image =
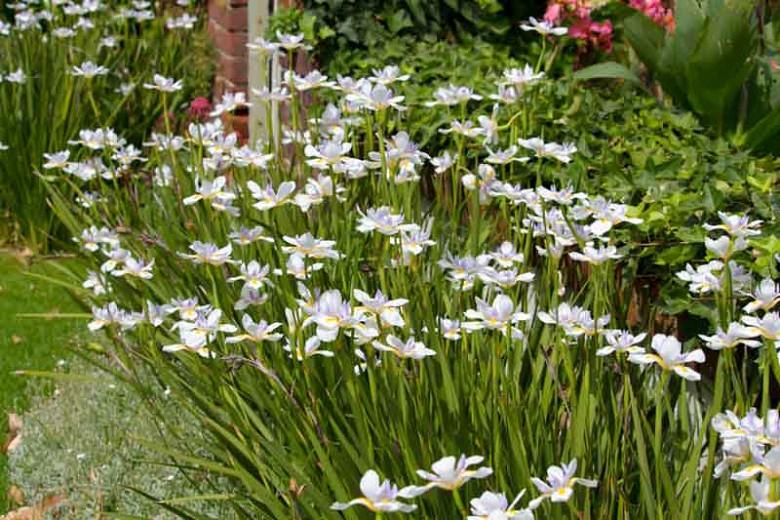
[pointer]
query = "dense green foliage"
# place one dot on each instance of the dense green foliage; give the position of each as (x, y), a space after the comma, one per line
(295, 417)
(352, 26)
(711, 37)
(51, 104)
(660, 159)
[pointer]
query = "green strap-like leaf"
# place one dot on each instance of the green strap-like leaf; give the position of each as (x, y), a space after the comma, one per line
(607, 70)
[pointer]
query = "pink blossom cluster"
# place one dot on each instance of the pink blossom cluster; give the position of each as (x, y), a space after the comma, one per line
(656, 11)
(576, 14)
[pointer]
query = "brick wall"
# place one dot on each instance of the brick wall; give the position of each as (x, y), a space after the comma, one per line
(228, 30)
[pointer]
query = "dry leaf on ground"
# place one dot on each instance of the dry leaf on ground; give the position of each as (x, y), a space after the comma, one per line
(35, 512)
(14, 433)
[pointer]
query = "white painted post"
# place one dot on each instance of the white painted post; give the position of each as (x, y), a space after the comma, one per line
(259, 76)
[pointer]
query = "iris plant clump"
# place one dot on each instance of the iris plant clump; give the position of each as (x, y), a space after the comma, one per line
(336, 304)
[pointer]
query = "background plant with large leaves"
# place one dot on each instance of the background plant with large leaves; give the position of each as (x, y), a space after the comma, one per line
(714, 63)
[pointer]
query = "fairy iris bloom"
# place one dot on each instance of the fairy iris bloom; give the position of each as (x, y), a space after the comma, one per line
(606, 215)
(765, 296)
(245, 236)
(209, 191)
(669, 356)
(498, 316)
(506, 255)
(543, 27)
(331, 313)
(376, 97)
(380, 305)
(164, 84)
(409, 349)
(329, 154)
(621, 341)
(230, 101)
(504, 156)
(739, 226)
(596, 256)
(307, 246)
(311, 348)
(58, 160)
(263, 46)
(520, 77)
(389, 74)
(206, 253)
(253, 274)
(191, 341)
(109, 315)
(449, 473)
(560, 484)
(378, 497)
(725, 247)
(290, 42)
(495, 506)
(506, 278)
(256, 332)
(382, 220)
(574, 320)
(136, 268)
(449, 329)
(560, 152)
(312, 80)
(206, 324)
(316, 190)
(768, 326)
(268, 198)
(767, 464)
(760, 492)
(735, 335)
(89, 70)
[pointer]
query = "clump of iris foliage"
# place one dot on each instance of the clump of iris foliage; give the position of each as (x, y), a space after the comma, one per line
(66, 66)
(363, 328)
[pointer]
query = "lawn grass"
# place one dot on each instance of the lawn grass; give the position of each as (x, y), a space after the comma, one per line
(27, 343)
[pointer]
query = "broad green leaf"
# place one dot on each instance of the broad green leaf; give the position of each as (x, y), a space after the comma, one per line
(646, 38)
(607, 70)
(762, 136)
(728, 43)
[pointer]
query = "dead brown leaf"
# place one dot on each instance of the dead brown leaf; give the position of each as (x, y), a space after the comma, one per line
(14, 433)
(23, 256)
(37, 511)
(16, 339)
(15, 495)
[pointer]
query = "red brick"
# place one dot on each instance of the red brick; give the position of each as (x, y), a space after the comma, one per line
(230, 18)
(230, 43)
(238, 3)
(233, 69)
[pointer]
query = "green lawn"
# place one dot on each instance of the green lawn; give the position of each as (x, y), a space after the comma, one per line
(26, 343)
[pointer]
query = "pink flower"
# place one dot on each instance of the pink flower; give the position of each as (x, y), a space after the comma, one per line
(656, 11)
(200, 108)
(554, 13)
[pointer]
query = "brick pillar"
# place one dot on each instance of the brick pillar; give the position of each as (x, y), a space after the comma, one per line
(228, 30)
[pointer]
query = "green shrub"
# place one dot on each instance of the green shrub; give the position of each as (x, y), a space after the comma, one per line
(339, 26)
